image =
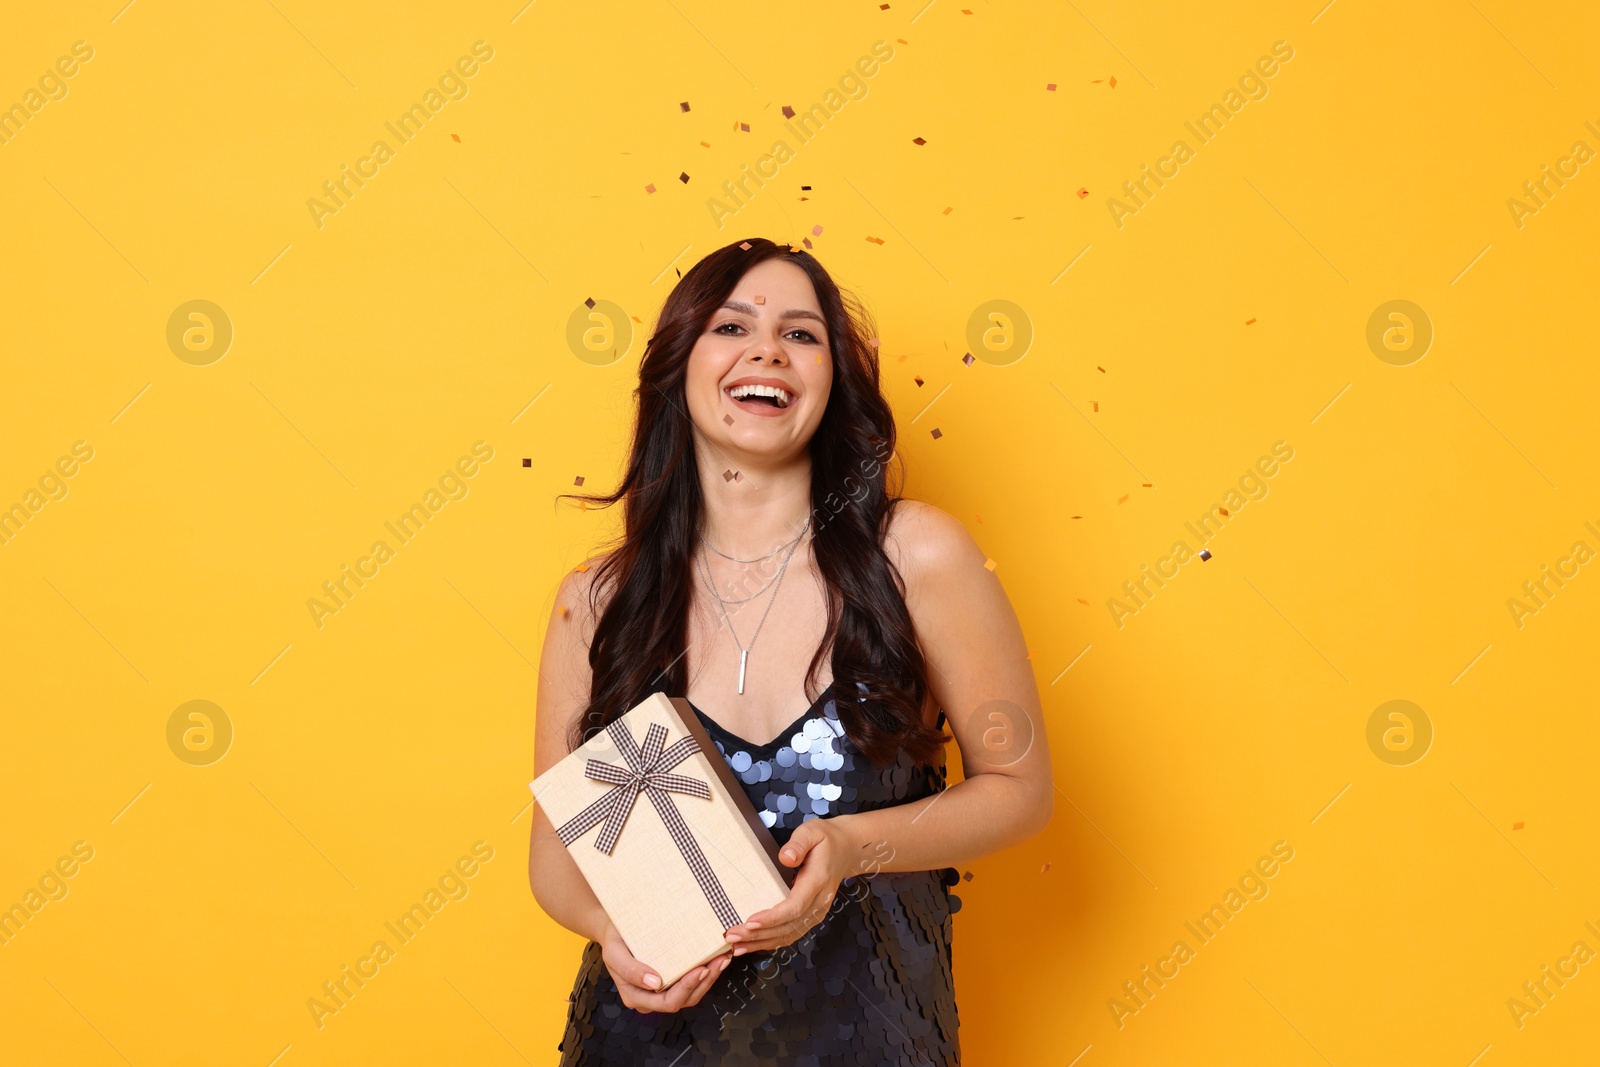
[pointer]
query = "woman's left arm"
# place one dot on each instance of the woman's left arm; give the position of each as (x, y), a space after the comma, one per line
(980, 674)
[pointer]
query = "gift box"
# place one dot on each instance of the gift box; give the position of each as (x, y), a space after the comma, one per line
(664, 834)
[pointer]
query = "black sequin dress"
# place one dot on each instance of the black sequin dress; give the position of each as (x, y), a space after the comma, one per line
(870, 984)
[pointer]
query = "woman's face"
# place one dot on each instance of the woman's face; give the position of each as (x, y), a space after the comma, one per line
(769, 333)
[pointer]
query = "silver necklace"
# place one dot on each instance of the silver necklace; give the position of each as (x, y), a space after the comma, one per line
(758, 559)
(744, 651)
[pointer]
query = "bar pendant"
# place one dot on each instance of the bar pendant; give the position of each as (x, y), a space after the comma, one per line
(743, 652)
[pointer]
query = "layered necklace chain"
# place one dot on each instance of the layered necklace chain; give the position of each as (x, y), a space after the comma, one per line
(744, 650)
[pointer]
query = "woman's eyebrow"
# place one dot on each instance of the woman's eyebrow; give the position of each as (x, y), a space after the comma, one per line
(792, 313)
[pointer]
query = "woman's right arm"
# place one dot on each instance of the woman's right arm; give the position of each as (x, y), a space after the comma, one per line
(563, 693)
(558, 885)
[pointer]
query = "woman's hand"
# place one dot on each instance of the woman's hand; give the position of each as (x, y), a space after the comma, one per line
(640, 987)
(824, 850)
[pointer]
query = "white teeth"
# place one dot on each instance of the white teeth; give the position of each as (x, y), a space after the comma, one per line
(781, 396)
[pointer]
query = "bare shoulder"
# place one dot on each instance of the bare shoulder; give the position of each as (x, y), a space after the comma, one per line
(926, 542)
(565, 676)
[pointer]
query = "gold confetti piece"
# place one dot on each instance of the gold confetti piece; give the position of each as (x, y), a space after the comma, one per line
(1082, 193)
(1099, 368)
(902, 40)
(948, 210)
(729, 418)
(1097, 81)
(684, 106)
(727, 475)
(902, 359)
(819, 358)
(918, 140)
(1249, 322)
(1223, 512)
(527, 461)
(582, 567)
(737, 475)
(705, 144)
(589, 303)
(1516, 826)
(578, 480)
(744, 127)
(816, 231)
(684, 177)
(1045, 869)
(989, 564)
(1050, 88)
(745, 245)
(1124, 498)
(806, 241)
(967, 877)
(1077, 516)
(937, 433)
(1112, 81)
(918, 380)
(876, 240)
(1149, 485)
(761, 300)
(564, 611)
(650, 188)
(788, 113)
(637, 319)
(455, 137)
(583, 505)
(1096, 404)
(968, 359)
(1082, 601)
(873, 341)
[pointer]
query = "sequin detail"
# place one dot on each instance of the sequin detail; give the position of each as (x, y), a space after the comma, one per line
(870, 984)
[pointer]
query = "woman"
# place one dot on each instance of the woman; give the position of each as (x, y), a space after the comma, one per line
(758, 475)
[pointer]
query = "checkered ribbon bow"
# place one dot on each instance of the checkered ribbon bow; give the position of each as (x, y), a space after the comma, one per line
(646, 773)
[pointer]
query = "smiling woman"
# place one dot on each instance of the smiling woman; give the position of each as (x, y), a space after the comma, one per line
(761, 451)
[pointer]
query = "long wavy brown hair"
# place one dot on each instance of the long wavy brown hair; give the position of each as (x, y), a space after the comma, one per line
(639, 639)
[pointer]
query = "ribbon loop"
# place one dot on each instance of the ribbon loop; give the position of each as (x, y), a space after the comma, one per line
(646, 772)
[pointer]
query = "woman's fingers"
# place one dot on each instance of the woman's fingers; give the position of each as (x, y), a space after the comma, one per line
(641, 999)
(614, 951)
(713, 971)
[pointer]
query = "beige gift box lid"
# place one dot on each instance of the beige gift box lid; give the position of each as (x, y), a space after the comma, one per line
(646, 884)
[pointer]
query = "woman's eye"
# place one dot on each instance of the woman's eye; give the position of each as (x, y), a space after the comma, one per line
(725, 325)
(806, 334)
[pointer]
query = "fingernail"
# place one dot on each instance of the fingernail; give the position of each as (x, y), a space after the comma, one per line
(753, 926)
(732, 936)
(739, 951)
(652, 981)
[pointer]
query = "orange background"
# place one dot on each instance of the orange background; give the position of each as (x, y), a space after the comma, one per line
(373, 346)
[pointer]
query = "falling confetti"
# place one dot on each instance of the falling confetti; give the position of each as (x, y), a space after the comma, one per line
(650, 188)
(761, 300)
(978, 517)
(805, 188)
(728, 419)
(1516, 826)
(744, 127)
(1045, 869)
(1148, 485)
(578, 480)
(1096, 404)
(989, 564)
(876, 240)
(1249, 322)
(1224, 512)
(1123, 499)
(526, 462)
(745, 245)
(937, 433)
(1102, 370)
(948, 210)
(1077, 516)
(968, 359)
(806, 241)
(918, 140)
(1082, 194)
(788, 113)
(589, 303)
(1050, 87)
(1113, 81)
(918, 380)
(455, 137)
(684, 177)
(967, 877)
(582, 567)
(684, 106)
(705, 144)
(873, 341)
(816, 231)
(1082, 601)
(1205, 554)
(727, 475)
